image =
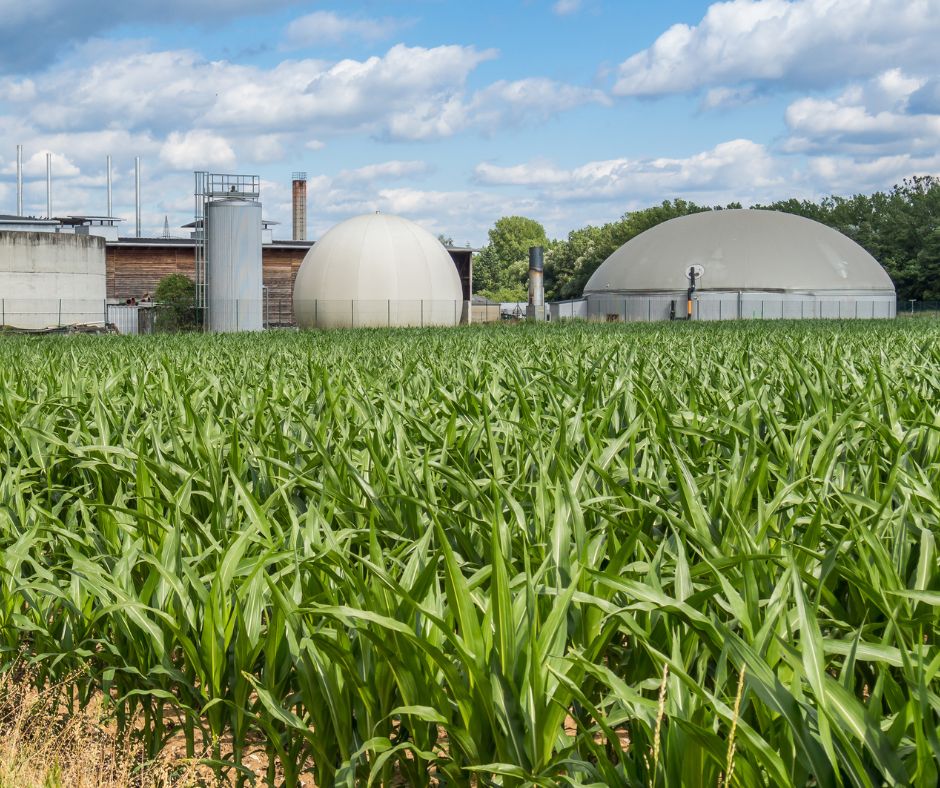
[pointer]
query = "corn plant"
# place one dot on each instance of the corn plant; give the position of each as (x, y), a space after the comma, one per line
(540, 555)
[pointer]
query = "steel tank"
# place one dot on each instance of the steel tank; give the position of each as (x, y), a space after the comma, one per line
(233, 265)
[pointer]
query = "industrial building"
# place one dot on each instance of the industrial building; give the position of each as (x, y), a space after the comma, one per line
(383, 270)
(244, 276)
(736, 264)
(379, 270)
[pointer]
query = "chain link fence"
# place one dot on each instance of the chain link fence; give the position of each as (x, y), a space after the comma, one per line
(913, 307)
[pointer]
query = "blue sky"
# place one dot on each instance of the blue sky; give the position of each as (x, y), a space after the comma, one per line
(456, 113)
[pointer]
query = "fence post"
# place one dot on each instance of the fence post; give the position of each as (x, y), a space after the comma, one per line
(422, 313)
(389, 319)
(352, 313)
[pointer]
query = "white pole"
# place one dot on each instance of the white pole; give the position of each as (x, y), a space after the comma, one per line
(109, 187)
(137, 190)
(48, 185)
(19, 180)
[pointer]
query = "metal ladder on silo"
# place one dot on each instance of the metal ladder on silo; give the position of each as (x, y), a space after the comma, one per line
(201, 199)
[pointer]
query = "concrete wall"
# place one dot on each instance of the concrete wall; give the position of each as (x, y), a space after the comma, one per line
(51, 279)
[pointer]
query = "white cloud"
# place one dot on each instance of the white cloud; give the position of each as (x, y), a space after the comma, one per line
(387, 170)
(197, 149)
(492, 108)
(734, 170)
(327, 27)
(724, 97)
(34, 165)
(566, 7)
(309, 95)
(797, 43)
(846, 175)
(410, 93)
(868, 118)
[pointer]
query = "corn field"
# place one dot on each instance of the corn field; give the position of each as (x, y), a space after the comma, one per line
(542, 555)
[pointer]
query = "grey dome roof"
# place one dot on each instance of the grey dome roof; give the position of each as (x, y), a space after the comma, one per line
(740, 250)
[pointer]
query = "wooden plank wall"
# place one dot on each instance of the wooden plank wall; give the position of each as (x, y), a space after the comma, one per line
(133, 271)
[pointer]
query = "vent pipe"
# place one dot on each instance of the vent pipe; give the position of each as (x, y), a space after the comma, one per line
(19, 180)
(48, 185)
(137, 191)
(109, 214)
(299, 192)
(536, 308)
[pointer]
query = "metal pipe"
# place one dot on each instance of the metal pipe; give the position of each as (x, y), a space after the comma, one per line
(19, 180)
(536, 307)
(137, 191)
(693, 274)
(109, 187)
(48, 185)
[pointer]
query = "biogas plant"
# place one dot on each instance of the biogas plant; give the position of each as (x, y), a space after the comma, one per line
(380, 270)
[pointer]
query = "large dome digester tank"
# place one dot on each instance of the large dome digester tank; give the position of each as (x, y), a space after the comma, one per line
(233, 263)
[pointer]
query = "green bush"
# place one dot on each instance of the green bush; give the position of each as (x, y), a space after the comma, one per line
(176, 299)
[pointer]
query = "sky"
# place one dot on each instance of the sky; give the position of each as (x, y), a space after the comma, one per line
(455, 113)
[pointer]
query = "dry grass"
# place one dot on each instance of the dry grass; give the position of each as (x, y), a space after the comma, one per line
(42, 745)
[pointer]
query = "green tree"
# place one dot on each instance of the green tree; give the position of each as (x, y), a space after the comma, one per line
(176, 297)
(501, 268)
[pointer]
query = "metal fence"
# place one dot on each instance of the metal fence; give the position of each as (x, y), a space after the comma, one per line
(40, 313)
(913, 307)
(378, 313)
(738, 306)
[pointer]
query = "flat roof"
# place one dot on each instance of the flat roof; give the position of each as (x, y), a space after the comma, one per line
(196, 223)
(190, 242)
(83, 219)
(10, 219)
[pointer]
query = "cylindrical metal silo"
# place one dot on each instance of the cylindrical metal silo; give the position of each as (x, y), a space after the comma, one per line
(233, 265)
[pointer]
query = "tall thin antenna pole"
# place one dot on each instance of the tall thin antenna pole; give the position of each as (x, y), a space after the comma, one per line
(109, 187)
(48, 185)
(137, 190)
(19, 180)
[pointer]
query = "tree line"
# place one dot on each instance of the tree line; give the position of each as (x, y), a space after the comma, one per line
(900, 228)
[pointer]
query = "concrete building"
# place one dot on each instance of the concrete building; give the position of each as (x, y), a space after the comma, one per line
(379, 270)
(734, 264)
(51, 279)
